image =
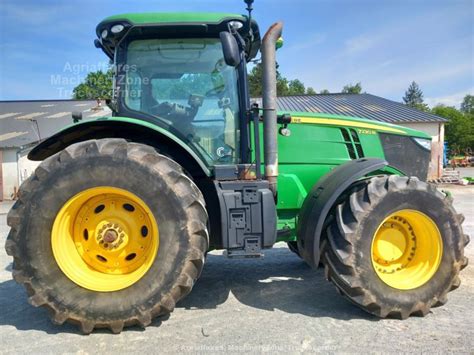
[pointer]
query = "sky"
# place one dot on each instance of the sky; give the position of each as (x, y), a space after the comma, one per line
(46, 47)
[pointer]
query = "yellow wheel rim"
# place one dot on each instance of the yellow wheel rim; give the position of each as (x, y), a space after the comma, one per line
(406, 249)
(105, 239)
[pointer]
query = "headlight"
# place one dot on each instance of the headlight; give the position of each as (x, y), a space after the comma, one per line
(425, 143)
(117, 29)
(236, 24)
(104, 34)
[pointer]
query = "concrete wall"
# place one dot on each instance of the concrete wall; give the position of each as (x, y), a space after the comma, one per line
(26, 167)
(16, 168)
(9, 172)
(436, 131)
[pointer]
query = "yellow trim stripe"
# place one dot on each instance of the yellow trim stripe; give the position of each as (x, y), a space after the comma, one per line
(337, 122)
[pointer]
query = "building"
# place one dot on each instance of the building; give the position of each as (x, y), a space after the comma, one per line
(24, 123)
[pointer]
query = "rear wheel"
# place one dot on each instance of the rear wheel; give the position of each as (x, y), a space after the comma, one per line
(108, 234)
(105, 238)
(395, 247)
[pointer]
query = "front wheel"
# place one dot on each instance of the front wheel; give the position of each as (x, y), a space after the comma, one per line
(395, 247)
(293, 246)
(108, 234)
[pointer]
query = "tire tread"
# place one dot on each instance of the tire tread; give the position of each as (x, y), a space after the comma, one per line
(192, 200)
(340, 265)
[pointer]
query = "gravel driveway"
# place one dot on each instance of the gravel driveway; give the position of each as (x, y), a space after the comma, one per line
(274, 304)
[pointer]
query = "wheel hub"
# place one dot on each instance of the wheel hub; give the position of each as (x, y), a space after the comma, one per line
(114, 239)
(394, 246)
(110, 236)
(406, 249)
(391, 244)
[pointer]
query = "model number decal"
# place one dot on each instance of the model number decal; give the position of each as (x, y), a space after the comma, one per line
(365, 131)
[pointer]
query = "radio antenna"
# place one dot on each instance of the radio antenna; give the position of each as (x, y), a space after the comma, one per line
(249, 9)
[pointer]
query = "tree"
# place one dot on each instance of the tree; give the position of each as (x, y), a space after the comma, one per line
(414, 97)
(310, 91)
(352, 89)
(459, 129)
(467, 105)
(324, 91)
(296, 87)
(96, 85)
(282, 84)
(181, 88)
(255, 81)
(285, 87)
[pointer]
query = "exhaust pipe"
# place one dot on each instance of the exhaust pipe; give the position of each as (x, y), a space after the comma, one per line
(268, 50)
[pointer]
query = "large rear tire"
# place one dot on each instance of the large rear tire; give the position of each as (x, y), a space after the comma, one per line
(395, 247)
(107, 234)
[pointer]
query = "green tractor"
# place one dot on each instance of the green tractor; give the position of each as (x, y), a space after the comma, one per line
(113, 227)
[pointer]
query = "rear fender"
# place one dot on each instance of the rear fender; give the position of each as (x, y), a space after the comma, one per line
(121, 127)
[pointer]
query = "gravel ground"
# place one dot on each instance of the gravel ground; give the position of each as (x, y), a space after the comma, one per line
(466, 172)
(274, 304)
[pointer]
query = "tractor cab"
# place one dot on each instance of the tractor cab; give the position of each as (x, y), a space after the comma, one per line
(170, 70)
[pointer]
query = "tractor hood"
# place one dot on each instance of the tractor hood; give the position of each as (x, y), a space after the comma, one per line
(405, 149)
(354, 122)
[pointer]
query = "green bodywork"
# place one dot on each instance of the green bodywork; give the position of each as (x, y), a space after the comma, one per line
(313, 149)
(173, 17)
(307, 154)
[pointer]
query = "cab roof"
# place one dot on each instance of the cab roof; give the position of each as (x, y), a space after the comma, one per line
(174, 17)
(207, 24)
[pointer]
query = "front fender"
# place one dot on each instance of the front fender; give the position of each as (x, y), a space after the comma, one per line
(322, 197)
(117, 127)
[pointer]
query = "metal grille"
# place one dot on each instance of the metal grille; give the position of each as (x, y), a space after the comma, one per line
(406, 155)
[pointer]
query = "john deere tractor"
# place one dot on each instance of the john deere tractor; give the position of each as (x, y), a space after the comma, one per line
(113, 227)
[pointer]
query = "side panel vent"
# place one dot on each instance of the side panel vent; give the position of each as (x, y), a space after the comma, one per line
(358, 145)
(348, 142)
(352, 142)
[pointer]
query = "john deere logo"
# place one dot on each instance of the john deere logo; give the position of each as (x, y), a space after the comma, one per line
(220, 151)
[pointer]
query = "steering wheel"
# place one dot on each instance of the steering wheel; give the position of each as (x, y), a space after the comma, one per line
(163, 108)
(215, 91)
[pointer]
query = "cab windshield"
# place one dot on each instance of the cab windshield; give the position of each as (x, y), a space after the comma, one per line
(186, 83)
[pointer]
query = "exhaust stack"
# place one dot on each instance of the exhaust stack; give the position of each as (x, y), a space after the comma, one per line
(268, 50)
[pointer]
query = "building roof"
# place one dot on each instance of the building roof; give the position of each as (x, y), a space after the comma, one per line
(20, 120)
(356, 105)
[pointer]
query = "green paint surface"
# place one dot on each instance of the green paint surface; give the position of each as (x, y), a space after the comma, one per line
(312, 150)
(173, 17)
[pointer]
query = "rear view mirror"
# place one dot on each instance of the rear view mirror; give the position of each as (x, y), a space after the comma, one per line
(230, 49)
